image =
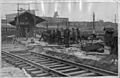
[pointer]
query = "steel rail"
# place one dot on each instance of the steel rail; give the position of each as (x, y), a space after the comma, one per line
(91, 68)
(36, 64)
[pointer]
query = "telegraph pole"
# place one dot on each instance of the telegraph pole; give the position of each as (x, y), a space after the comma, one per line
(115, 22)
(17, 23)
(115, 19)
(93, 23)
(93, 30)
(28, 7)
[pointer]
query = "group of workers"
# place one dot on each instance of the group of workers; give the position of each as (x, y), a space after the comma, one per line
(72, 36)
(62, 36)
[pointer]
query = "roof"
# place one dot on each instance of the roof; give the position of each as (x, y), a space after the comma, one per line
(55, 20)
(10, 17)
(30, 18)
(7, 26)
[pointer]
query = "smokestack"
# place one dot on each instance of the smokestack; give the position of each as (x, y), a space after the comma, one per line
(55, 15)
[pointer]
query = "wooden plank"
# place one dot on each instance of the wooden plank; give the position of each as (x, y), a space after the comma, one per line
(69, 70)
(36, 72)
(42, 75)
(54, 63)
(77, 72)
(86, 74)
(55, 66)
(67, 67)
(32, 69)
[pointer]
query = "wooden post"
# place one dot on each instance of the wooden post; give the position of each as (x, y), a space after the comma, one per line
(17, 23)
(115, 18)
(93, 23)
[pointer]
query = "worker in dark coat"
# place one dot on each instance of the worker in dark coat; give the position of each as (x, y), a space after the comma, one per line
(62, 36)
(58, 36)
(47, 35)
(78, 35)
(42, 36)
(66, 37)
(50, 36)
(114, 46)
(73, 36)
(53, 36)
(108, 37)
(111, 41)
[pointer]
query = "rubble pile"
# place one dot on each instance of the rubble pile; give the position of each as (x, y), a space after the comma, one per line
(93, 47)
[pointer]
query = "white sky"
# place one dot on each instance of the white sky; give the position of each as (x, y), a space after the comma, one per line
(75, 11)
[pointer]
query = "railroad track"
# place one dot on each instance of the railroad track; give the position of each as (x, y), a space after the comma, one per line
(43, 65)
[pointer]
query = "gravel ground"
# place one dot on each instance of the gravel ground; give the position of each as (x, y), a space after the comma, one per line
(100, 64)
(8, 70)
(79, 57)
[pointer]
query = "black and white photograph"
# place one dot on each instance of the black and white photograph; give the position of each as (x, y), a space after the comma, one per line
(59, 38)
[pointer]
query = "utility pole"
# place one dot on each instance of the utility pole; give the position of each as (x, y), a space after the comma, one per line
(115, 22)
(28, 7)
(34, 22)
(115, 19)
(93, 26)
(55, 17)
(93, 23)
(17, 23)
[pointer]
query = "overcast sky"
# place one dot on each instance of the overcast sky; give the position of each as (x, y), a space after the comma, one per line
(75, 11)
